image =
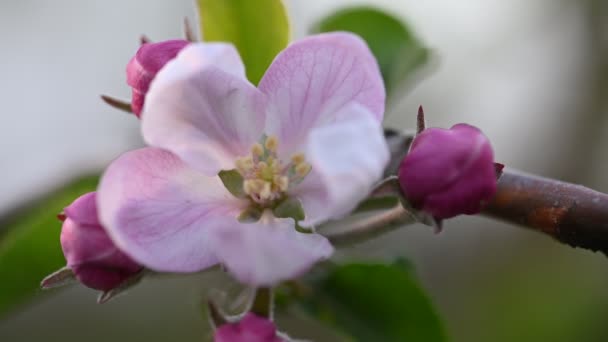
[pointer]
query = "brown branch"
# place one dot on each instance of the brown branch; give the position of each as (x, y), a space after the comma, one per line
(572, 214)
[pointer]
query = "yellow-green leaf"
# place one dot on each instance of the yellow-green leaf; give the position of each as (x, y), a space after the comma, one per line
(258, 28)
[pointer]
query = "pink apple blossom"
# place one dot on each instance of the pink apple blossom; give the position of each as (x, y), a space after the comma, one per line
(310, 132)
(250, 328)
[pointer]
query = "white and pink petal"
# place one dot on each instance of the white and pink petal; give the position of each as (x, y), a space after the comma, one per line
(206, 113)
(156, 210)
(315, 78)
(347, 157)
(268, 251)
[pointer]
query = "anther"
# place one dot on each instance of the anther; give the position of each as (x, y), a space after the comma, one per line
(244, 165)
(298, 158)
(271, 143)
(282, 182)
(302, 169)
(257, 150)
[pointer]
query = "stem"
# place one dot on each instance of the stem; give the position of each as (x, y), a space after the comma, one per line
(263, 302)
(572, 214)
(216, 317)
(372, 227)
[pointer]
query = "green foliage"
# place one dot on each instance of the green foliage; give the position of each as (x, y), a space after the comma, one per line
(398, 51)
(29, 246)
(376, 302)
(259, 29)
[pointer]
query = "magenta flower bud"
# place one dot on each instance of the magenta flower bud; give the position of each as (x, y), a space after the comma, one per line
(95, 260)
(144, 66)
(251, 328)
(449, 172)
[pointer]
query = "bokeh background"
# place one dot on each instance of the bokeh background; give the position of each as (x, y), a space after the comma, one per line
(532, 74)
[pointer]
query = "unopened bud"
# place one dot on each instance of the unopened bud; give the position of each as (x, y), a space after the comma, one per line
(90, 253)
(250, 328)
(144, 66)
(449, 172)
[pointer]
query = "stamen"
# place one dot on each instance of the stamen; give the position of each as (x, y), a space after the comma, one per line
(282, 182)
(298, 158)
(271, 162)
(303, 169)
(244, 165)
(257, 150)
(265, 177)
(266, 192)
(272, 143)
(253, 186)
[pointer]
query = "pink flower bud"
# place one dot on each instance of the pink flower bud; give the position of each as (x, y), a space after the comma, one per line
(251, 328)
(92, 256)
(449, 172)
(144, 66)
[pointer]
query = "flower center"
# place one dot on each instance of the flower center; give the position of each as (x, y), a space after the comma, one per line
(266, 178)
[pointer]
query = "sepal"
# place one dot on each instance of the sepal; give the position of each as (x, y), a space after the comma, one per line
(233, 181)
(390, 188)
(123, 105)
(126, 285)
(62, 277)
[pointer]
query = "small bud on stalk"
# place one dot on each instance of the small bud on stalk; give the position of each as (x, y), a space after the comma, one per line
(91, 255)
(449, 172)
(144, 66)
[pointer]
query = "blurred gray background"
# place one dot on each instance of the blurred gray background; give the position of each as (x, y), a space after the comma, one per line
(533, 75)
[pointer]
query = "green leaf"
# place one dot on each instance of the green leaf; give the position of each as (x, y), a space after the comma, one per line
(398, 51)
(233, 181)
(259, 29)
(376, 302)
(29, 244)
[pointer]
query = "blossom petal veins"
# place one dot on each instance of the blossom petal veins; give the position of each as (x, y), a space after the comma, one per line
(268, 251)
(205, 112)
(312, 80)
(155, 208)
